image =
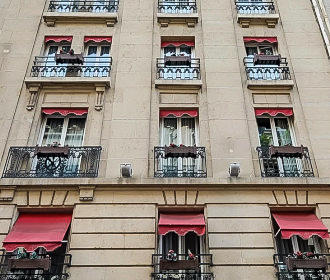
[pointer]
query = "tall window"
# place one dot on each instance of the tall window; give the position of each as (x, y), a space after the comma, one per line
(97, 59)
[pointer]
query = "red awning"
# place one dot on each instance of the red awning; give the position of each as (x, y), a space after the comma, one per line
(64, 112)
(181, 223)
(178, 44)
(271, 40)
(58, 39)
(274, 112)
(300, 223)
(178, 113)
(33, 230)
(97, 39)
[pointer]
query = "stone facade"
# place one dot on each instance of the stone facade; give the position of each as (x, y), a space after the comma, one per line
(114, 227)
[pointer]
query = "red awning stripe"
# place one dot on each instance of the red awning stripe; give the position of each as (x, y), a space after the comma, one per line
(34, 230)
(271, 40)
(97, 39)
(274, 112)
(181, 223)
(178, 113)
(64, 112)
(300, 223)
(178, 44)
(58, 39)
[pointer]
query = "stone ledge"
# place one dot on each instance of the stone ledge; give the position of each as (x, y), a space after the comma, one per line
(166, 19)
(178, 84)
(95, 81)
(245, 20)
(270, 84)
(51, 18)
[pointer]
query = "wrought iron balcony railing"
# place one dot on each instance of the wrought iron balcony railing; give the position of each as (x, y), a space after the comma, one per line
(49, 162)
(177, 7)
(255, 71)
(312, 268)
(96, 66)
(277, 164)
(183, 268)
(66, 6)
(178, 68)
(180, 162)
(17, 266)
(254, 7)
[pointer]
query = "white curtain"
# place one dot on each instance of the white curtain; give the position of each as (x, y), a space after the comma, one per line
(75, 132)
(53, 131)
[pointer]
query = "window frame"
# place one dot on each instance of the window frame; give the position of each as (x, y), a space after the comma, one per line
(177, 51)
(258, 45)
(59, 46)
(98, 46)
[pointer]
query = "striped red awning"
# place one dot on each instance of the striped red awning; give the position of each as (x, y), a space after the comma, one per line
(274, 112)
(271, 40)
(178, 44)
(97, 39)
(58, 39)
(178, 113)
(64, 112)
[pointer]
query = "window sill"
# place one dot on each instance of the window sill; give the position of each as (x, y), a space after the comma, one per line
(51, 18)
(178, 84)
(245, 20)
(165, 19)
(270, 84)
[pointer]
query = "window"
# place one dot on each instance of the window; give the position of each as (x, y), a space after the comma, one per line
(181, 50)
(51, 68)
(97, 59)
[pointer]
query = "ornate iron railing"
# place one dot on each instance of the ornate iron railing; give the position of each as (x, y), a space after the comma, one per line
(200, 272)
(266, 72)
(26, 162)
(178, 72)
(285, 273)
(249, 7)
(188, 165)
(297, 166)
(177, 7)
(66, 6)
(96, 66)
(34, 266)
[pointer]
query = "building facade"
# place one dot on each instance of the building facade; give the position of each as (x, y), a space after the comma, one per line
(120, 120)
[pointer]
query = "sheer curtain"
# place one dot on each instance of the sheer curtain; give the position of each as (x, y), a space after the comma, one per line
(75, 132)
(188, 139)
(53, 131)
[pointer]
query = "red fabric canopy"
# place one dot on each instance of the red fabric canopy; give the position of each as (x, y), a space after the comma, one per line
(274, 112)
(178, 44)
(58, 39)
(300, 223)
(33, 230)
(181, 223)
(178, 113)
(97, 39)
(260, 39)
(64, 112)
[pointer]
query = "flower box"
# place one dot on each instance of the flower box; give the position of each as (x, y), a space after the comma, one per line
(181, 151)
(295, 263)
(67, 58)
(177, 60)
(286, 151)
(179, 265)
(260, 59)
(43, 264)
(52, 151)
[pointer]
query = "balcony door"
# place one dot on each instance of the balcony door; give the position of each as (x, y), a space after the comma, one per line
(278, 131)
(51, 69)
(178, 131)
(97, 60)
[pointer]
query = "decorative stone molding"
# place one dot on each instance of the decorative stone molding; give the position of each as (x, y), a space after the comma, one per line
(99, 100)
(166, 19)
(7, 193)
(34, 94)
(245, 20)
(86, 193)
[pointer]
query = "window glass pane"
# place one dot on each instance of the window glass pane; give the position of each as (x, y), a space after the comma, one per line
(283, 131)
(188, 131)
(52, 50)
(92, 50)
(185, 50)
(170, 131)
(75, 132)
(192, 243)
(105, 50)
(251, 50)
(267, 50)
(66, 49)
(265, 132)
(169, 51)
(53, 131)
(170, 242)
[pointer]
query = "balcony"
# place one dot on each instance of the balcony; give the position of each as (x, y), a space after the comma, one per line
(180, 162)
(183, 268)
(285, 161)
(32, 266)
(256, 13)
(82, 11)
(308, 268)
(178, 71)
(177, 12)
(52, 162)
(267, 71)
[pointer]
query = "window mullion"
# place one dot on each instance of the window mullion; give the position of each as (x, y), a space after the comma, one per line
(272, 125)
(64, 130)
